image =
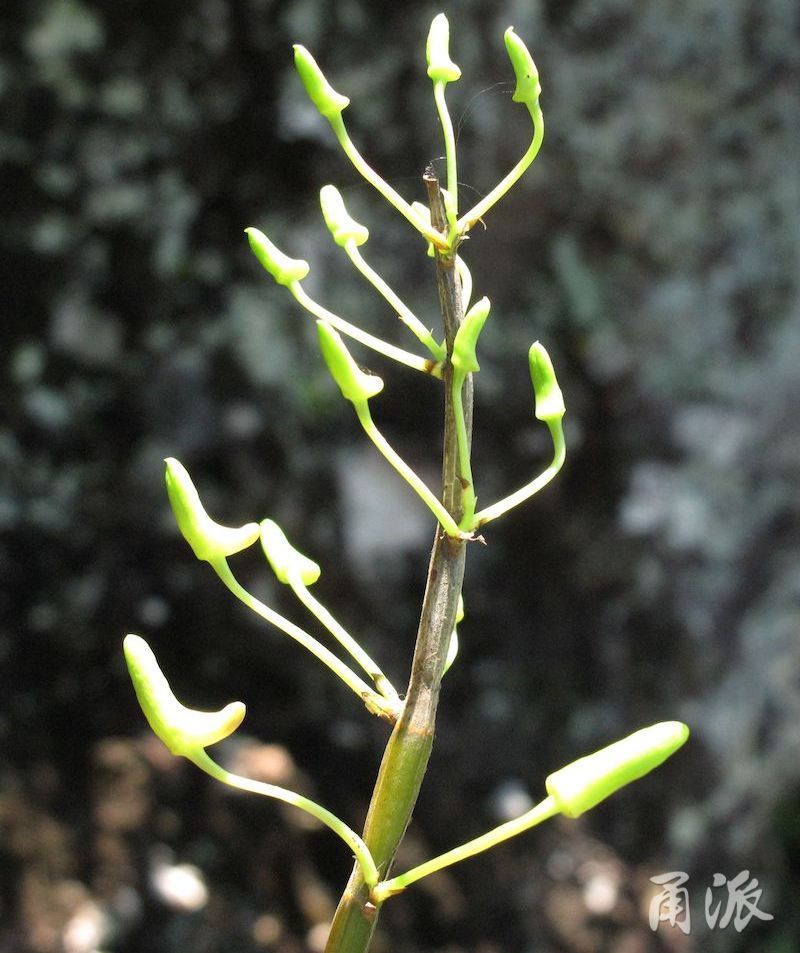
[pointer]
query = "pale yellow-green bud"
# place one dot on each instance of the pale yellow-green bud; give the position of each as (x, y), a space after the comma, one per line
(286, 561)
(329, 103)
(283, 269)
(209, 540)
(441, 68)
(528, 87)
(340, 223)
(183, 730)
(355, 384)
(586, 782)
(464, 358)
(549, 399)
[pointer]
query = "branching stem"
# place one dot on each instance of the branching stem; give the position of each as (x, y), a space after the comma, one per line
(527, 491)
(391, 195)
(373, 701)
(377, 344)
(477, 212)
(349, 836)
(316, 608)
(406, 756)
(541, 812)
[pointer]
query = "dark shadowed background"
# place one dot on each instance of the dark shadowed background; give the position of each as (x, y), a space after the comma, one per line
(653, 247)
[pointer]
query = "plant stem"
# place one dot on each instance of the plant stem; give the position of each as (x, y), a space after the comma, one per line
(435, 505)
(364, 337)
(527, 491)
(406, 756)
(375, 703)
(451, 207)
(477, 212)
(541, 812)
(391, 195)
(338, 631)
(349, 836)
(423, 334)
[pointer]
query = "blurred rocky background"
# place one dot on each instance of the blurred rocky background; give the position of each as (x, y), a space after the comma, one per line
(654, 247)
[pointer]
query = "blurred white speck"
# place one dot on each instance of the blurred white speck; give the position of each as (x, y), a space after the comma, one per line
(600, 893)
(153, 611)
(85, 930)
(267, 930)
(510, 799)
(180, 886)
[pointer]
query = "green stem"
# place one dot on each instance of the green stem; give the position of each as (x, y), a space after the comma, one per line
(315, 607)
(406, 756)
(451, 204)
(405, 314)
(476, 213)
(391, 195)
(438, 509)
(374, 702)
(541, 812)
(464, 462)
(527, 491)
(349, 836)
(377, 344)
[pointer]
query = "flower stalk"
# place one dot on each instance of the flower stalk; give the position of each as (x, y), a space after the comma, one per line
(572, 790)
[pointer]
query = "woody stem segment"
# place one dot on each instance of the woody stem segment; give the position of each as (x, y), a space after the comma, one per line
(408, 750)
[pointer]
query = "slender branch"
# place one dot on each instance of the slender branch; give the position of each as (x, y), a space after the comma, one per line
(376, 703)
(338, 631)
(530, 489)
(476, 213)
(541, 812)
(349, 836)
(423, 334)
(377, 344)
(406, 756)
(438, 509)
(391, 195)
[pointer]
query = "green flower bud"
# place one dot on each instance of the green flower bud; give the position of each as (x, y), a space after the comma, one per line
(183, 730)
(441, 68)
(584, 783)
(329, 103)
(340, 224)
(283, 269)
(528, 87)
(463, 358)
(549, 399)
(209, 540)
(285, 560)
(355, 384)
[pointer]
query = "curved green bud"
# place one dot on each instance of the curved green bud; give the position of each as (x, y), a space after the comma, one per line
(285, 560)
(463, 358)
(586, 782)
(549, 404)
(183, 730)
(329, 103)
(528, 87)
(208, 539)
(283, 269)
(441, 68)
(340, 224)
(355, 385)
